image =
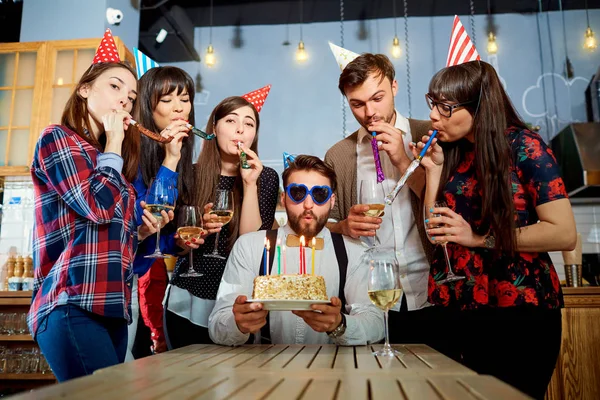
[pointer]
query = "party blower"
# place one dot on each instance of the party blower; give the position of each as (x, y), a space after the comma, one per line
(389, 199)
(155, 136)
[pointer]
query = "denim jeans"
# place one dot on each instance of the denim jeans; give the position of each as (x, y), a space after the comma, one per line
(76, 342)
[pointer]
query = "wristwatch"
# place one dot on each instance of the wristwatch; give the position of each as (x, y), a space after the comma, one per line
(339, 331)
(489, 242)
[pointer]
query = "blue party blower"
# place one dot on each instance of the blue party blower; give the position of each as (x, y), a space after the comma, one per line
(389, 199)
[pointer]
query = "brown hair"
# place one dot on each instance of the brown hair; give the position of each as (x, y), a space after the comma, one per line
(357, 71)
(75, 117)
(310, 163)
(208, 166)
(153, 85)
(477, 82)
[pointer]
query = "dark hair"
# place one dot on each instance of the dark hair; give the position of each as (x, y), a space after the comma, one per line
(154, 84)
(208, 168)
(357, 71)
(75, 117)
(310, 163)
(493, 113)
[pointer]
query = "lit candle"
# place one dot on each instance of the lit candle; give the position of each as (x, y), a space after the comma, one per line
(278, 256)
(302, 243)
(312, 255)
(268, 248)
(265, 257)
(284, 261)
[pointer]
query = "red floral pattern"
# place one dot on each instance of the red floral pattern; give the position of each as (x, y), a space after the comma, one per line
(526, 278)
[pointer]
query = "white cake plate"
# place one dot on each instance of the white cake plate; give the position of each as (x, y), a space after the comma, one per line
(288, 305)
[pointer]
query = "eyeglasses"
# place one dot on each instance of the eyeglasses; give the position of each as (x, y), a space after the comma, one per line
(444, 109)
(298, 192)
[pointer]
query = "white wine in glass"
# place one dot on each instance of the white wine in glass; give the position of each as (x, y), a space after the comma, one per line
(190, 227)
(385, 298)
(160, 197)
(223, 216)
(155, 210)
(375, 210)
(384, 289)
(372, 193)
(223, 209)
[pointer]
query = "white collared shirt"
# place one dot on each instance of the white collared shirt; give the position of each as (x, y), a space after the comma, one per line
(364, 323)
(398, 229)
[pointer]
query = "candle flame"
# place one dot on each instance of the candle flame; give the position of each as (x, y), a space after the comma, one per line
(278, 242)
(268, 245)
(314, 242)
(302, 241)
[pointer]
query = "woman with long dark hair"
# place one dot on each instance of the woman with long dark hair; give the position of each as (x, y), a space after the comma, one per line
(235, 122)
(165, 105)
(507, 207)
(85, 231)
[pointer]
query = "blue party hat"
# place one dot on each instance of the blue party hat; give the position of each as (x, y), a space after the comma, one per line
(142, 62)
(287, 159)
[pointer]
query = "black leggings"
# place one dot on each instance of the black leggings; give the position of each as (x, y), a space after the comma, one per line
(180, 332)
(517, 345)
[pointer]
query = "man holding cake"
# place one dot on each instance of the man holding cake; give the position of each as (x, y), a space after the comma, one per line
(326, 268)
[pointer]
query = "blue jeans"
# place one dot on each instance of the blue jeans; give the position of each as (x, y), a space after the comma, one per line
(76, 342)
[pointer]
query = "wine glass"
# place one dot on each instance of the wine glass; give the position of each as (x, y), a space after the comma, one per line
(372, 194)
(385, 290)
(427, 215)
(190, 227)
(223, 209)
(160, 197)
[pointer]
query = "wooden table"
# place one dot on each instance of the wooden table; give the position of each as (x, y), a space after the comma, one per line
(285, 372)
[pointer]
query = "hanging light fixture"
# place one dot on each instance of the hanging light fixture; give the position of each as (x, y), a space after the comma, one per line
(209, 58)
(589, 43)
(492, 46)
(301, 55)
(396, 50)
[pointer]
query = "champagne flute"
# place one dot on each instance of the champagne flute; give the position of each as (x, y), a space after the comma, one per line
(190, 227)
(373, 195)
(160, 197)
(385, 290)
(223, 209)
(427, 215)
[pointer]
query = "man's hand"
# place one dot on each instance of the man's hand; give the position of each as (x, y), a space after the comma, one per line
(329, 317)
(392, 143)
(249, 317)
(357, 224)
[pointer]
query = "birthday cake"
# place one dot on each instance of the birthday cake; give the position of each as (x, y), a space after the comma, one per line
(289, 287)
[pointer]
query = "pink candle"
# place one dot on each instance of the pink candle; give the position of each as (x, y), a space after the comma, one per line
(270, 272)
(302, 244)
(284, 261)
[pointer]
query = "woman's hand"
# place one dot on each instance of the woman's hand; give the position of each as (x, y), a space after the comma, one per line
(115, 123)
(434, 156)
(150, 223)
(250, 176)
(208, 229)
(454, 228)
(178, 131)
(210, 224)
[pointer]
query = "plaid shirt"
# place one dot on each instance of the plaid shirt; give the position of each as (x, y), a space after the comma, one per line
(85, 232)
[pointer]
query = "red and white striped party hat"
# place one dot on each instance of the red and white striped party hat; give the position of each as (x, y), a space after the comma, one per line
(107, 50)
(258, 97)
(461, 48)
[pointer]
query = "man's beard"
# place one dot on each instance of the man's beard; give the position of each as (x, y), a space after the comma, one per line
(307, 231)
(387, 119)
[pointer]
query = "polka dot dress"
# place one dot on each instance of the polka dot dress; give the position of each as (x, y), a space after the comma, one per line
(206, 286)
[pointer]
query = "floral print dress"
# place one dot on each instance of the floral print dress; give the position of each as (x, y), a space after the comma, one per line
(505, 281)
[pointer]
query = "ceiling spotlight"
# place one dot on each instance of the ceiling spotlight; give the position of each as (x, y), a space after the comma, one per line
(162, 34)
